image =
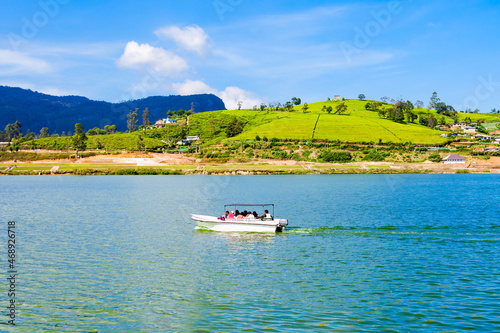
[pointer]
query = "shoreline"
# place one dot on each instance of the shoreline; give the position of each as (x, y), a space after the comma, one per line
(178, 164)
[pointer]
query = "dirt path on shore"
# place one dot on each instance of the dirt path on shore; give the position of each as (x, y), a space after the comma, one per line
(491, 165)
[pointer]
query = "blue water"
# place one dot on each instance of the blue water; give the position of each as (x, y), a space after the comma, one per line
(364, 253)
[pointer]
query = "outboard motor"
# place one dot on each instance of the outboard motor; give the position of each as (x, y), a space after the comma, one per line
(282, 223)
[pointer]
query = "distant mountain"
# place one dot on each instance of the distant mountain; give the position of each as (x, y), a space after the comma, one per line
(36, 110)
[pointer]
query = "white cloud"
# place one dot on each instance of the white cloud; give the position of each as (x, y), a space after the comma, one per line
(230, 96)
(192, 38)
(145, 56)
(13, 63)
(190, 87)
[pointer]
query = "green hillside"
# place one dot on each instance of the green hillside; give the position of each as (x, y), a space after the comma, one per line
(359, 125)
(356, 125)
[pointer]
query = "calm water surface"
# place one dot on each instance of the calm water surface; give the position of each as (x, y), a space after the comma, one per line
(364, 253)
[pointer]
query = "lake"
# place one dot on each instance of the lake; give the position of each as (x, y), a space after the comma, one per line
(364, 253)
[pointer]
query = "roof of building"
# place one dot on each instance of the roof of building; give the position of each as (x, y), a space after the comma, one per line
(454, 157)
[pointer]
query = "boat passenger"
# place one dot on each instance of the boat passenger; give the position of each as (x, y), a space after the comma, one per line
(250, 216)
(231, 215)
(266, 216)
(255, 215)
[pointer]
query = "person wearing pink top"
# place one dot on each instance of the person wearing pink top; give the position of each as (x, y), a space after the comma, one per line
(230, 215)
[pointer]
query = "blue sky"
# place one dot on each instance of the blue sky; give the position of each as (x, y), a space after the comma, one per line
(255, 51)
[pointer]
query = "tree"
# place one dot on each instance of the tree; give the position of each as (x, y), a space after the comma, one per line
(329, 109)
(433, 101)
(145, 118)
(79, 138)
(13, 131)
(288, 106)
(110, 129)
(382, 113)
(305, 107)
(481, 129)
(361, 96)
(342, 107)
(431, 122)
(44, 132)
(373, 106)
(442, 121)
(404, 109)
(296, 101)
(132, 120)
(434, 157)
(337, 156)
(262, 106)
(384, 99)
(234, 128)
(140, 143)
(419, 104)
(29, 135)
(324, 108)
(240, 103)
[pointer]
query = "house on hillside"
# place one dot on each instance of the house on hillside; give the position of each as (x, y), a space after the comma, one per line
(188, 140)
(482, 136)
(469, 129)
(454, 159)
(458, 124)
(336, 98)
(163, 122)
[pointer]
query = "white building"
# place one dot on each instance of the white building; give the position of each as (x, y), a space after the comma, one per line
(454, 159)
(469, 129)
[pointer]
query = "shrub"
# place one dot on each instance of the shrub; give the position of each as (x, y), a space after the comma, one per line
(337, 156)
(434, 157)
(375, 156)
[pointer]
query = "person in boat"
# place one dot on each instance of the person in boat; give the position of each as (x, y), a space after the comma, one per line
(250, 216)
(238, 215)
(230, 215)
(225, 217)
(255, 215)
(266, 216)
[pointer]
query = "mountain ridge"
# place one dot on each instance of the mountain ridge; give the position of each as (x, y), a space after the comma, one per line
(35, 110)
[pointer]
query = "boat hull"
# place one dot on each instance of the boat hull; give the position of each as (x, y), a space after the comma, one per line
(212, 223)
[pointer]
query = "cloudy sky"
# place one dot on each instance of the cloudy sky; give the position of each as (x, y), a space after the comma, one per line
(255, 51)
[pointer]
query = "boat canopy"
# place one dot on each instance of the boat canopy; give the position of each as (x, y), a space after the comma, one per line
(250, 205)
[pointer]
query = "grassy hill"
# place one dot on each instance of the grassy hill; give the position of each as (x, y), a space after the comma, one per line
(359, 125)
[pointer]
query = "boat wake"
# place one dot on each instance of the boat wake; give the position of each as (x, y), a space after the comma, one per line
(492, 233)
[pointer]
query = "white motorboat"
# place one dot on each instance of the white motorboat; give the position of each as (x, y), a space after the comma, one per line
(265, 223)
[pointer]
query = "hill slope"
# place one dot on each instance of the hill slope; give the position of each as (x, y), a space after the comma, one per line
(35, 110)
(359, 125)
